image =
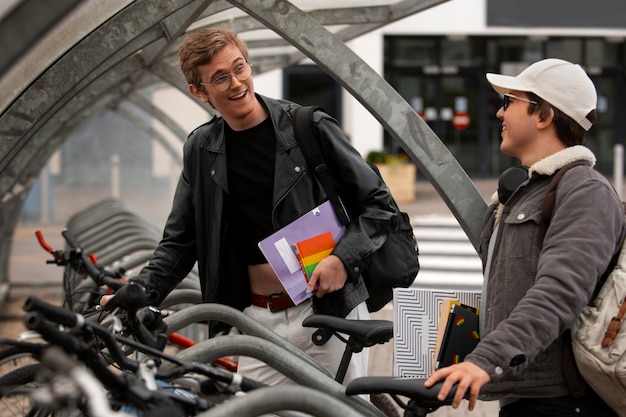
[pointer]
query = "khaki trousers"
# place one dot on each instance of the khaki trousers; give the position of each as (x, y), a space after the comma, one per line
(288, 325)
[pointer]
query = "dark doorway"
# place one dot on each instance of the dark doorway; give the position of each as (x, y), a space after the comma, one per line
(309, 85)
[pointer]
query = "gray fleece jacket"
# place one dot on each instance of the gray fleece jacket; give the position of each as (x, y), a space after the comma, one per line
(533, 296)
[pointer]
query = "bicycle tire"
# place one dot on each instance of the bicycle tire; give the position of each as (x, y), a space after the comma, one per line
(17, 404)
(386, 404)
(15, 388)
(14, 357)
(15, 399)
(20, 376)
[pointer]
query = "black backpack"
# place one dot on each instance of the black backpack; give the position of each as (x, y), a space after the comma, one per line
(396, 263)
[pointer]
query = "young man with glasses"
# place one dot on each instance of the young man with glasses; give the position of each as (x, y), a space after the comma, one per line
(244, 177)
(532, 294)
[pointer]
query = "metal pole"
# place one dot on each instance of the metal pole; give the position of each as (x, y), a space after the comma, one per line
(618, 169)
(281, 360)
(45, 208)
(115, 176)
(273, 399)
(219, 312)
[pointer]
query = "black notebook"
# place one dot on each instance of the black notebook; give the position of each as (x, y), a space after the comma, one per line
(460, 336)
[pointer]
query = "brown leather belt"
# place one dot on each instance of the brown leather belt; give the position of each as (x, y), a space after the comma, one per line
(275, 302)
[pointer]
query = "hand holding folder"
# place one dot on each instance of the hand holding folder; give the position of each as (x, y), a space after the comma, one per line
(280, 248)
(310, 252)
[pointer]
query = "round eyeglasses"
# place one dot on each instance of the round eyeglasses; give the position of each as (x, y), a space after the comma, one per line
(222, 83)
(507, 100)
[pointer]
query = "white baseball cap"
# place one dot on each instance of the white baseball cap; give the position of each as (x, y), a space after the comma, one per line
(564, 85)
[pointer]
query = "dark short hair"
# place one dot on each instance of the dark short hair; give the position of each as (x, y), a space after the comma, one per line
(568, 130)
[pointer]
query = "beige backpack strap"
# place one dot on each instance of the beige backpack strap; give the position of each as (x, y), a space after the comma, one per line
(614, 326)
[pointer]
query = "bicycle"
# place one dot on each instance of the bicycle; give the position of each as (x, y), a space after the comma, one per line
(84, 297)
(87, 340)
(263, 400)
(77, 261)
(105, 281)
(135, 296)
(129, 389)
(360, 333)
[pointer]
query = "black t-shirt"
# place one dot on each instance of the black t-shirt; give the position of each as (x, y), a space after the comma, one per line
(251, 155)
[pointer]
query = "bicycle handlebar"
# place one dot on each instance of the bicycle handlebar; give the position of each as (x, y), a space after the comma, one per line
(38, 309)
(43, 242)
(34, 321)
(98, 274)
(57, 314)
(125, 385)
(131, 296)
(79, 261)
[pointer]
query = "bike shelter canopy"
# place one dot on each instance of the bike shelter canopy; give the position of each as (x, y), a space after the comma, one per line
(66, 61)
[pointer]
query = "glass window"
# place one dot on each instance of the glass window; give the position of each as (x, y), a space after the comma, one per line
(513, 50)
(565, 48)
(600, 53)
(410, 52)
(462, 52)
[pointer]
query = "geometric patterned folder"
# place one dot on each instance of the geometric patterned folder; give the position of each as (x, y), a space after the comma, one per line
(416, 314)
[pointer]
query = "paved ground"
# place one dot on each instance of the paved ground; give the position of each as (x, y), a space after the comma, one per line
(29, 275)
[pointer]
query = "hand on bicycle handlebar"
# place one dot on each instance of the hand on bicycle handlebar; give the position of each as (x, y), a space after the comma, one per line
(467, 375)
(131, 296)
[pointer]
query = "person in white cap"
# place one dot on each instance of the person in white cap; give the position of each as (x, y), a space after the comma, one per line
(532, 294)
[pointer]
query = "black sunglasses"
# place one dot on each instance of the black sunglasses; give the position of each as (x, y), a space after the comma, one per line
(507, 100)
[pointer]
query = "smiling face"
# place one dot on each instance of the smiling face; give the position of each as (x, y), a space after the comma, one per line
(519, 129)
(237, 104)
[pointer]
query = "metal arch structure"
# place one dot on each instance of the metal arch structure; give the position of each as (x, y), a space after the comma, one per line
(81, 58)
(15, 37)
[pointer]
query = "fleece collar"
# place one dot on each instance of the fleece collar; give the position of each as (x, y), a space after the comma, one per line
(549, 165)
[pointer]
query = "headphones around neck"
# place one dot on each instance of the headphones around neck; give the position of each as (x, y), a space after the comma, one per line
(509, 180)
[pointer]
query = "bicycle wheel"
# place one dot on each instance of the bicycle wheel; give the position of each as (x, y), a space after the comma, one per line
(15, 389)
(14, 357)
(17, 403)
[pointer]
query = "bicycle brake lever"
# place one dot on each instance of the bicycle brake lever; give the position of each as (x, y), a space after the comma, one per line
(112, 321)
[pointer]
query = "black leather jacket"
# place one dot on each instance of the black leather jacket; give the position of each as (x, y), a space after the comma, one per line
(198, 226)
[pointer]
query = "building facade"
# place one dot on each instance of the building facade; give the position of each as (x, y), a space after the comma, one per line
(437, 61)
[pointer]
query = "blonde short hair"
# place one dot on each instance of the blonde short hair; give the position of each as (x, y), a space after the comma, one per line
(200, 48)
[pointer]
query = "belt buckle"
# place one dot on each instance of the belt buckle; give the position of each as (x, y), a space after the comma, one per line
(270, 304)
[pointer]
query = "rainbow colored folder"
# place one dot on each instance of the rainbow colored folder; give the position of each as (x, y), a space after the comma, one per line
(279, 247)
(311, 251)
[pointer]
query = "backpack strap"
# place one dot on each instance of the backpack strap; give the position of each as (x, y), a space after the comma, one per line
(574, 379)
(547, 207)
(547, 204)
(614, 326)
(303, 117)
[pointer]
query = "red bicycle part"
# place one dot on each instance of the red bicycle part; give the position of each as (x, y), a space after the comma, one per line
(42, 242)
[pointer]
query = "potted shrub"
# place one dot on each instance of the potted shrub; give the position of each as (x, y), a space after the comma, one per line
(398, 172)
